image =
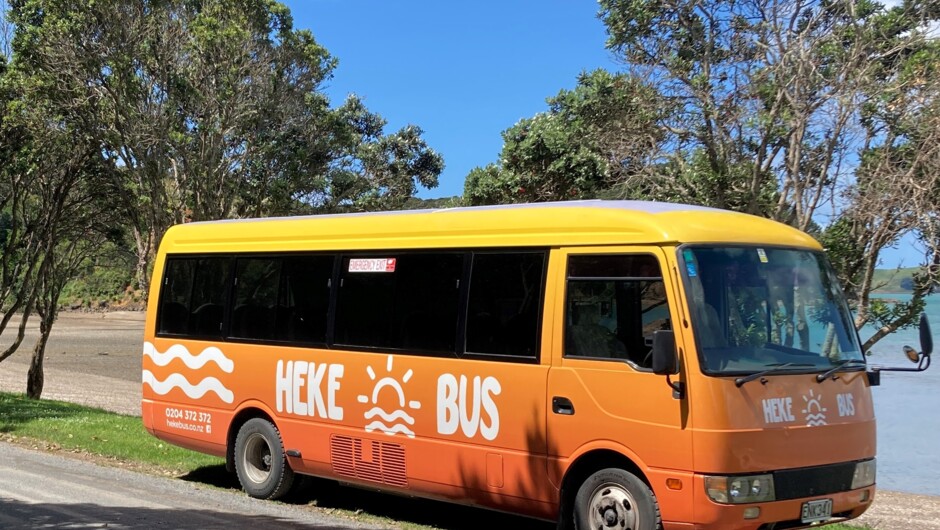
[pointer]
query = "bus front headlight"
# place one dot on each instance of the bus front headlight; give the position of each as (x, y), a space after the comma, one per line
(740, 489)
(864, 474)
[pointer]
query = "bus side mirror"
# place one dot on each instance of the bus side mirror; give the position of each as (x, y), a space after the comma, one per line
(926, 343)
(922, 358)
(665, 359)
(926, 339)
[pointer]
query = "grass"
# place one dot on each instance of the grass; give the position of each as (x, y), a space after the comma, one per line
(114, 439)
(122, 440)
(74, 428)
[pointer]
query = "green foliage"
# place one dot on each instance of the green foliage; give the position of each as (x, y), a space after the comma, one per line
(491, 185)
(208, 110)
(754, 107)
(77, 428)
(601, 132)
(106, 278)
(884, 313)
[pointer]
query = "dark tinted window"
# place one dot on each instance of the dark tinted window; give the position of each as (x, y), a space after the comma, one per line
(614, 304)
(274, 298)
(400, 301)
(505, 302)
(254, 313)
(176, 292)
(304, 300)
(194, 296)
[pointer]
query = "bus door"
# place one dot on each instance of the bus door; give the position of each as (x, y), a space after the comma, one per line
(602, 392)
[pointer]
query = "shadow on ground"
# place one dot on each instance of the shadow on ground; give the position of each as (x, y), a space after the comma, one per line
(17, 514)
(328, 494)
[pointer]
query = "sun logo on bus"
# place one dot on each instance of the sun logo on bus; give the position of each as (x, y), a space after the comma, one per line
(388, 382)
(815, 412)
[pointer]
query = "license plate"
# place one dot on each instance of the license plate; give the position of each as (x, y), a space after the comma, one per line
(814, 511)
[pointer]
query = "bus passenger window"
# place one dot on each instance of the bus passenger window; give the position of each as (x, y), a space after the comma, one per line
(304, 300)
(505, 303)
(614, 304)
(254, 313)
(177, 289)
(194, 297)
(210, 290)
(402, 301)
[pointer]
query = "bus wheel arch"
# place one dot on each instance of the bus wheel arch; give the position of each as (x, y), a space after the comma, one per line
(258, 457)
(604, 466)
(234, 426)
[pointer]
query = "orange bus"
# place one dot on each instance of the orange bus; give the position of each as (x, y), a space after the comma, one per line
(603, 364)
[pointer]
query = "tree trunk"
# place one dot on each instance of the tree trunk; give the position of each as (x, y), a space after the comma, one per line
(35, 377)
(144, 244)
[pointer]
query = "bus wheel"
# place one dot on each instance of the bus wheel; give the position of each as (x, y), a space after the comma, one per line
(259, 460)
(614, 498)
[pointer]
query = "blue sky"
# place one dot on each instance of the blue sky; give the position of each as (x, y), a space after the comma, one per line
(462, 71)
(465, 71)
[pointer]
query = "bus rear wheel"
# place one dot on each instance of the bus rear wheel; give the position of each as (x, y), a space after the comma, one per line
(614, 498)
(260, 461)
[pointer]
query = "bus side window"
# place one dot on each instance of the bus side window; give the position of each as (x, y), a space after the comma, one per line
(210, 294)
(194, 297)
(256, 290)
(304, 300)
(614, 304)
(176, 292)
(410, 302)
(505, 303)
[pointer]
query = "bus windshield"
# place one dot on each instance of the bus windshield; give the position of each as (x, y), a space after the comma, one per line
(757, 308)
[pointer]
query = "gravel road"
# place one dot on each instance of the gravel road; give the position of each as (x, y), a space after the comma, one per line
(41, 490)
(95, 359)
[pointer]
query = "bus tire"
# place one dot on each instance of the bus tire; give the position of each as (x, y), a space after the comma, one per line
(260, 462)
(614, 498)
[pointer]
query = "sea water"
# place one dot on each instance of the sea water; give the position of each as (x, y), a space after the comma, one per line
(907, 410)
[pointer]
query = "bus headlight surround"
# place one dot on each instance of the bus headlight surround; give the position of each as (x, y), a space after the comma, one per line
(864, 474)
(740, 489)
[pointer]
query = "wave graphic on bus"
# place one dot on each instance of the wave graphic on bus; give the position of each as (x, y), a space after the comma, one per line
(389, 418)
(209, 384)
(390, 382)
(193, 362)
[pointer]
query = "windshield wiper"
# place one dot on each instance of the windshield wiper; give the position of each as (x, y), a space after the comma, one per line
(774, 368)
(748, 378)
(825, 375)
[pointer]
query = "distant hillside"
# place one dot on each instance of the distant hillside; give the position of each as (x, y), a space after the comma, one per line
(893, 280)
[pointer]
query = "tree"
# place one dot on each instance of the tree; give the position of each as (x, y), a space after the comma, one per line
(895, 189)
(77, 214)
(819, 114)
(605, 131)
(211, 109)
(148, 113)
(779, 97)
(54, 207)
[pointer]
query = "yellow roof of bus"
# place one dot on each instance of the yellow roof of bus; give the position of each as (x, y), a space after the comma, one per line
(537, 224)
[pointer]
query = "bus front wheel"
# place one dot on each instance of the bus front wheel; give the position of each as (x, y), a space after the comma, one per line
(260, 462)
(614, 498)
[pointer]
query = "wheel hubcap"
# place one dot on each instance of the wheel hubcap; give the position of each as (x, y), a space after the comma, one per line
(612, 506)
(257, 458)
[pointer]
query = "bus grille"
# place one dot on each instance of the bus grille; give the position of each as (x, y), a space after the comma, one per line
(813, 481)
(369, 460)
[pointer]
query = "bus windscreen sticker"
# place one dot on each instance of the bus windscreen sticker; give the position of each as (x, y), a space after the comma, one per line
(372, 265)
(689, 262)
